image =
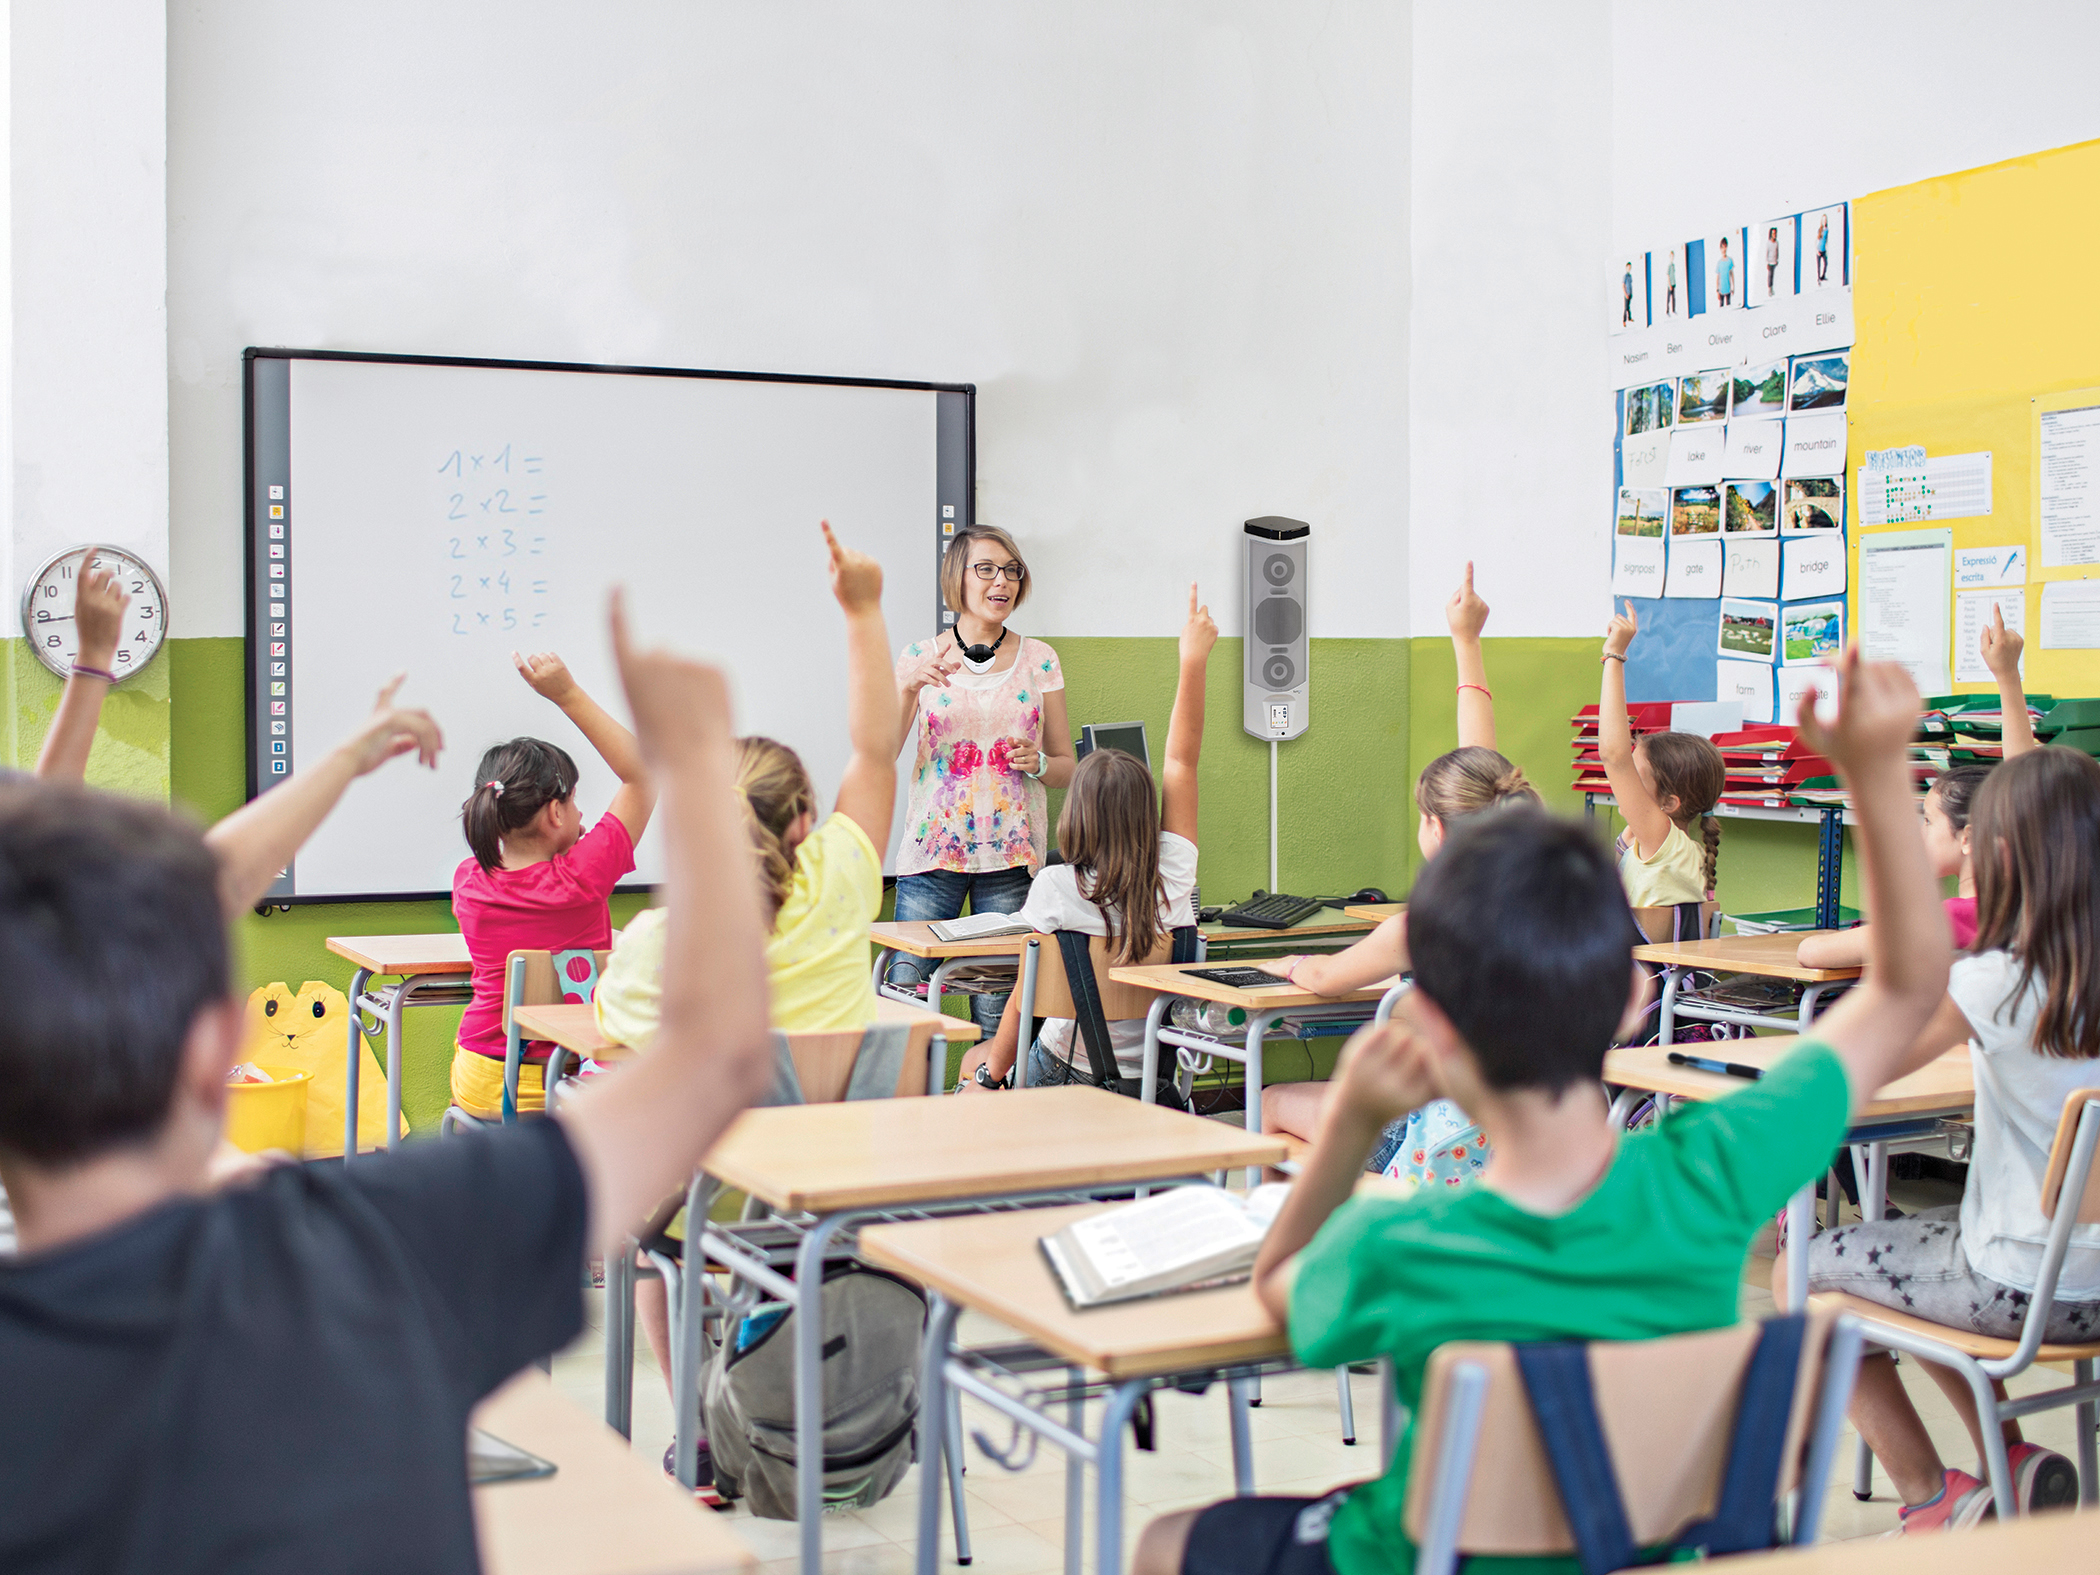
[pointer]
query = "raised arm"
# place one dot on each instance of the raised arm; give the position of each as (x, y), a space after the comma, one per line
(258, 839)
(868, 790)
(1643, 816)
(2001, 654)
(635, 797)
(99, 605)
(1876, 1029)
(1185, 726)
(1467, 615)
(640, 1133)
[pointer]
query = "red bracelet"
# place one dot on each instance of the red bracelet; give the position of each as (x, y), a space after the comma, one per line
(1483, 688)
(92, 672)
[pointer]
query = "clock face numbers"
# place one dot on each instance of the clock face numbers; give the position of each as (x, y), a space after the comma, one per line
(48, 607)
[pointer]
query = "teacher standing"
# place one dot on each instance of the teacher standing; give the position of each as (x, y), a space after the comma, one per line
(984, 714)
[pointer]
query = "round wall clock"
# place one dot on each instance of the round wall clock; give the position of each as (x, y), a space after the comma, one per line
(47, 611)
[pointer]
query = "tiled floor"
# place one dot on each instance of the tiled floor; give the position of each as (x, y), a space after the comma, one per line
(1016, 1520)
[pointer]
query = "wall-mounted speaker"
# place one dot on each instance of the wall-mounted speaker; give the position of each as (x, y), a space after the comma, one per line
(1277, 673)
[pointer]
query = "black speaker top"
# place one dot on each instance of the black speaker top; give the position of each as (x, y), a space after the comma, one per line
(1274, 527)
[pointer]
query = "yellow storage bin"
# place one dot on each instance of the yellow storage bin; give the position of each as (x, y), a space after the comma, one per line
(269, 1115)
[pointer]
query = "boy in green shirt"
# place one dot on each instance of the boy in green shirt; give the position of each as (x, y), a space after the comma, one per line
(1518, 934)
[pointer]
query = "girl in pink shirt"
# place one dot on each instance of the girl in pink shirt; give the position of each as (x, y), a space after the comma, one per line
(537, 880)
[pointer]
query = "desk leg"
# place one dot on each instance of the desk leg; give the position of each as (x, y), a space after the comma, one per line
(1800, 1226)
(933, 1426)
(1873, 1205)
(1108, 1513)
(1257, 1025)
(1237, 1393)
(1666, 1019)
(358, 981)
(1155, 1015)
(1024, 1043)
(881, 976)
(809, 1395)
(394, 1007)
(1388, 1414)
(691, 1302)
(1075, 1477)
(937, 1066)
(619, 1320)
(1811, 997)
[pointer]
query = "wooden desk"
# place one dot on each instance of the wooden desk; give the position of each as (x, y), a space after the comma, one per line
(1265, 1005)
(1942, 1087)
(2041, 1544)
(1327, 922)
(992, 1264)
(605, 1511)
(915, 938)
(1766, 956)
(429, 970)
(574, 1026)
(1376, 912)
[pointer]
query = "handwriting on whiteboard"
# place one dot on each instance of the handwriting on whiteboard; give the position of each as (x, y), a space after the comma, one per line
(492, 504)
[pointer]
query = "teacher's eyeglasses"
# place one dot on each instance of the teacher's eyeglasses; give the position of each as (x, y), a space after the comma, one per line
(1004, 571)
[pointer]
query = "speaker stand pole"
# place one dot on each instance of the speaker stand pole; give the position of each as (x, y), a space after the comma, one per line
(1273, 885)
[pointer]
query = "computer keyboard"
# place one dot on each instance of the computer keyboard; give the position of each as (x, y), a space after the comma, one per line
(1265, 911)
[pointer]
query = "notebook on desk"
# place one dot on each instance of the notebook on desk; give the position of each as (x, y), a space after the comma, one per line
(979, 927)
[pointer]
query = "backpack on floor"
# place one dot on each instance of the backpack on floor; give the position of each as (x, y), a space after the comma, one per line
(873, 1325)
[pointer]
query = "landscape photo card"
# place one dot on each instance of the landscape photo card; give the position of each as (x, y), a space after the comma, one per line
(1811, 632)
(1812, 503)
(1758, 391)
(1703, 396)
(1696, 511)
(1749, 508)
(1749, 630)
(1750, 567)
(1650, 405)
(1819, 381)
(1642, 510)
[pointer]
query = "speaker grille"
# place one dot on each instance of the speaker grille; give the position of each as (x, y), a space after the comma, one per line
(1278, 620)
(1279, 569)
(1279, 671)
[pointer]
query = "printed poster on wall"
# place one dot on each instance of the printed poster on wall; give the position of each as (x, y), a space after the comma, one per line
(1975, 611)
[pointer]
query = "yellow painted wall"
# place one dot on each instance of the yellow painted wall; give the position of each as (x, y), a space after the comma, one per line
(1973, 304)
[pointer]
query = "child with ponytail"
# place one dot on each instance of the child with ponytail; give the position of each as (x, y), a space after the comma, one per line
(1437, 1142)
(1663, 785)
(537, 880)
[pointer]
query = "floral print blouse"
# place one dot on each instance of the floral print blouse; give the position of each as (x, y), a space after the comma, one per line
(969, 809)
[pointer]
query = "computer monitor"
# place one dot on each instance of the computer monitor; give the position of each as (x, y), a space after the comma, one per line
(1126, 736)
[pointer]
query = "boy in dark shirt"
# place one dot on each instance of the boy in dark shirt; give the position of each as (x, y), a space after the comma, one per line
(1572, 1232)
(277, 1376)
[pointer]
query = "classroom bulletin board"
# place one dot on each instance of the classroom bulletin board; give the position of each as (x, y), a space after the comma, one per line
(1975, 317)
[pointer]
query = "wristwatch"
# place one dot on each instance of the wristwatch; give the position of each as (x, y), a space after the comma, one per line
(986, 1080)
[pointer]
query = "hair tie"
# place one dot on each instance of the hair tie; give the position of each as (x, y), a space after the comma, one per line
(495, 788)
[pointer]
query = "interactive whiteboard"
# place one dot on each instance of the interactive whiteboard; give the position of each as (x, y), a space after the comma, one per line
(432, 516)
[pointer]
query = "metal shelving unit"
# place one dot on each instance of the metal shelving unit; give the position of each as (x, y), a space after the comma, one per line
(1830, 827)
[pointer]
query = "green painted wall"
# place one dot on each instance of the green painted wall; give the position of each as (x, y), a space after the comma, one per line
(1381, 709)
(132, 747)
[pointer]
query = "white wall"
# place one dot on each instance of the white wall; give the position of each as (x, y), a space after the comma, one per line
(1167, 242)
(1546, 135)
(83, 321)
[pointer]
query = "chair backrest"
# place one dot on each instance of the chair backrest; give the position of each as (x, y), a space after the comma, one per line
(529, 979)
(1053, 991)
(1667, 1407)
(2060, 1161)
(1664, 925)
(824, 1062)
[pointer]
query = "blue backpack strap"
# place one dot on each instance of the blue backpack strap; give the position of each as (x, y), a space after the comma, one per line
(1086, 997)
(1743, 1514)
(1564, 1406)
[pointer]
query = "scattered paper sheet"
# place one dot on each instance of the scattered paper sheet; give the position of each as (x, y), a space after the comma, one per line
(1637, 566)
(1812, 566)
(2070, 494)
(1750, 683)
(1972, 615)
(2071, 615)
(1975, 567)
(1695, 567)
(1753, 450)
(1815, 445)
(1903, 603)
(1751, 567)
(1695, 455)
(1644, 461)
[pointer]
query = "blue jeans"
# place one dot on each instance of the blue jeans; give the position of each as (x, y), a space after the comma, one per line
(939, 894)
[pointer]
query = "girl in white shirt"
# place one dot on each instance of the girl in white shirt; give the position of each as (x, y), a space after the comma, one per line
(1129, 872)
(2027, 1000)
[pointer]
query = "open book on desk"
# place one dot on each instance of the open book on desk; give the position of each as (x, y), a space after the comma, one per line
(979, 927)
(1184, 1239)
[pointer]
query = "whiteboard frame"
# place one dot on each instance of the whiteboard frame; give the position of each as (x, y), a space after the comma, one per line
(266, 440)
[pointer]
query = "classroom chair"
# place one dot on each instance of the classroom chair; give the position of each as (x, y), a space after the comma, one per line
(530, 978)
(1604, 1448)
(2070, 1197)
(1071, 980)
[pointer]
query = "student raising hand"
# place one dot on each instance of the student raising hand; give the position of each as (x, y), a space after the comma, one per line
(2001, 654)
(1200, 633)
(856, 578)
(1464, 611)
(1467, 615)
(547, 673)
(99, 605)
(1619, 633)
